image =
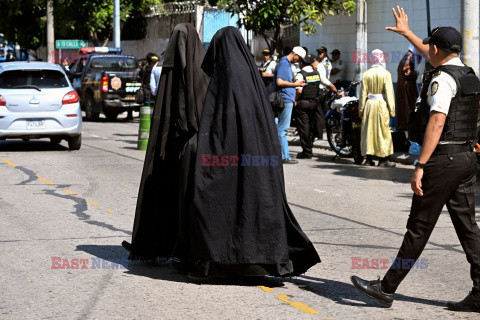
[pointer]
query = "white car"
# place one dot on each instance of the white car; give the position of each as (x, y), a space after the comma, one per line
(38, 101)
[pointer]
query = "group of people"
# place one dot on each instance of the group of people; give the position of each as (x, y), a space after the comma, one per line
(219, 220)
(303, 81)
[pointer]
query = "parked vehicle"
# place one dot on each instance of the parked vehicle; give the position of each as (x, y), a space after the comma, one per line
(38, 101)
(343, 125)
(105, 82)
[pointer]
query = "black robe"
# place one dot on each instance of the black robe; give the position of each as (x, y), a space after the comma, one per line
(241, 221)
(165, 189)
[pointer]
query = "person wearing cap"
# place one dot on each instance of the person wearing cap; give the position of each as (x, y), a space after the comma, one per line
(155, 77)
(283, 82)
(338, 68)
(307, 102)
(324, 60)
(267, 69)
(445, 173)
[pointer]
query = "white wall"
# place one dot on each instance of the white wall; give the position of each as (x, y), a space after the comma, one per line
(340, 31)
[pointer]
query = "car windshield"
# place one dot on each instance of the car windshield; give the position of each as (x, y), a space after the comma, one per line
(38, 78)
(113, 63)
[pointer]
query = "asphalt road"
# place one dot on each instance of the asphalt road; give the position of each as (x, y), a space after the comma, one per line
(62, 210)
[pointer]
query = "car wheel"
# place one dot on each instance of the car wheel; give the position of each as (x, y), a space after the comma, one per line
(55, 140)
(90, 104)
(111, 115)
(75, 142)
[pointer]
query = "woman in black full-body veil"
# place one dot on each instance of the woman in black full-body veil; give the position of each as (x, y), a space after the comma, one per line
(241, 222)
(166, 184)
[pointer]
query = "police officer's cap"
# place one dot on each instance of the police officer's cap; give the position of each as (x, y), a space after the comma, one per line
(322, 49)
(446, 38)
(336, 51)
(309, 59)
(266, 52)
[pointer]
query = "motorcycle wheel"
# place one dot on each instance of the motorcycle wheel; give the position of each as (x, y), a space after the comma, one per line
(335, 138)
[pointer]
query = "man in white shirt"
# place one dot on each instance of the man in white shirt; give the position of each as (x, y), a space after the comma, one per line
(155, 79)
(324, 60)
(338, 68)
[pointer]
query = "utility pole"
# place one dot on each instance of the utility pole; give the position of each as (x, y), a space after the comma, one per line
(470, 30)
(116, 23)
(50, 31)
(362, 55)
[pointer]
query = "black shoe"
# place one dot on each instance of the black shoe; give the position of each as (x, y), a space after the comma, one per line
(302, 155)
(127, 246)
(369, 163)
(470, 304)
(289, 161)
(373, 289)
(387, 164)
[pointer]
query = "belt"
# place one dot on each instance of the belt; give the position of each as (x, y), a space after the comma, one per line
(372, 96)
(452, 148)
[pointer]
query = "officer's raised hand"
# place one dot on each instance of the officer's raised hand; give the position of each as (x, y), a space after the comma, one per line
(402, 21)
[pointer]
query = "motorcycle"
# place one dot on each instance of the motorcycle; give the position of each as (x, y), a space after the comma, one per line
(344, 126)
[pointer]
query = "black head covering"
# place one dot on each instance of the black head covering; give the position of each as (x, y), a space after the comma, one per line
(241, 217)
(163, 196)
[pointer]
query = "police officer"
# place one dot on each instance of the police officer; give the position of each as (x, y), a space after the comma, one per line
(307, 103)
(338, 68)
(324, 60)
(445, 172)
(267, 69)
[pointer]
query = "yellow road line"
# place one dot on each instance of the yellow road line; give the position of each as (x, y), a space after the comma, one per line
(266, 289)
(9, 163)
(55, 185)
(45, 181)
(299, 305)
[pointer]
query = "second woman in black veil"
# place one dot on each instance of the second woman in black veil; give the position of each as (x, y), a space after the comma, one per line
(218, 219)
(241, 222)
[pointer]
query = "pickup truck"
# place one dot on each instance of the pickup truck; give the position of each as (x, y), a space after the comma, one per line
(106, 83)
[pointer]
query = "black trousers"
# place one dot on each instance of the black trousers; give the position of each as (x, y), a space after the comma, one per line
(306, 117)
(448, 179)
(321, 111)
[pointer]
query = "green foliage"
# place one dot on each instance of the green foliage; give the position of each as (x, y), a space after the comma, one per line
(262, 16)
(24, 21)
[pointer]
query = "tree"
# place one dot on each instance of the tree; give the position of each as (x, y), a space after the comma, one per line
(23, 22)
(263, 17)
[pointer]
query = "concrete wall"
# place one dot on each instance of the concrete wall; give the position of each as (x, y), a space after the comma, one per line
(340, 31)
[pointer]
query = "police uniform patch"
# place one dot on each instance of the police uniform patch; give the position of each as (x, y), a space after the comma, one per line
(434, 88)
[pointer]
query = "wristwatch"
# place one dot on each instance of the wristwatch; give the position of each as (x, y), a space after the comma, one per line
(419, 164)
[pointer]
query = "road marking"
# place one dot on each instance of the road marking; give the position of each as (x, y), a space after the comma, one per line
(71, 193)
(266, 289)
(319, 190)
(45, 181)
(9, 163)
(299, 305)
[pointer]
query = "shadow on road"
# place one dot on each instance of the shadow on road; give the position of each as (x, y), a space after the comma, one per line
(347, 294)
(171, 272)
(34, 145)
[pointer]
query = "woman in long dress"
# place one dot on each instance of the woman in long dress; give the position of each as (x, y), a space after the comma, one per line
(376, 106)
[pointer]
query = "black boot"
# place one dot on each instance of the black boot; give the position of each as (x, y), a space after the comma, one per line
(470, 304)
(127, 246)
(369, 161)
(374, 289)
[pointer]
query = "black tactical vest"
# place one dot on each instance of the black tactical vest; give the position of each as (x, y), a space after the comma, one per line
(461, 122)
(312, 89)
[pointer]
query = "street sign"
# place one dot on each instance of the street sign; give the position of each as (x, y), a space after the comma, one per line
(70, 44)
